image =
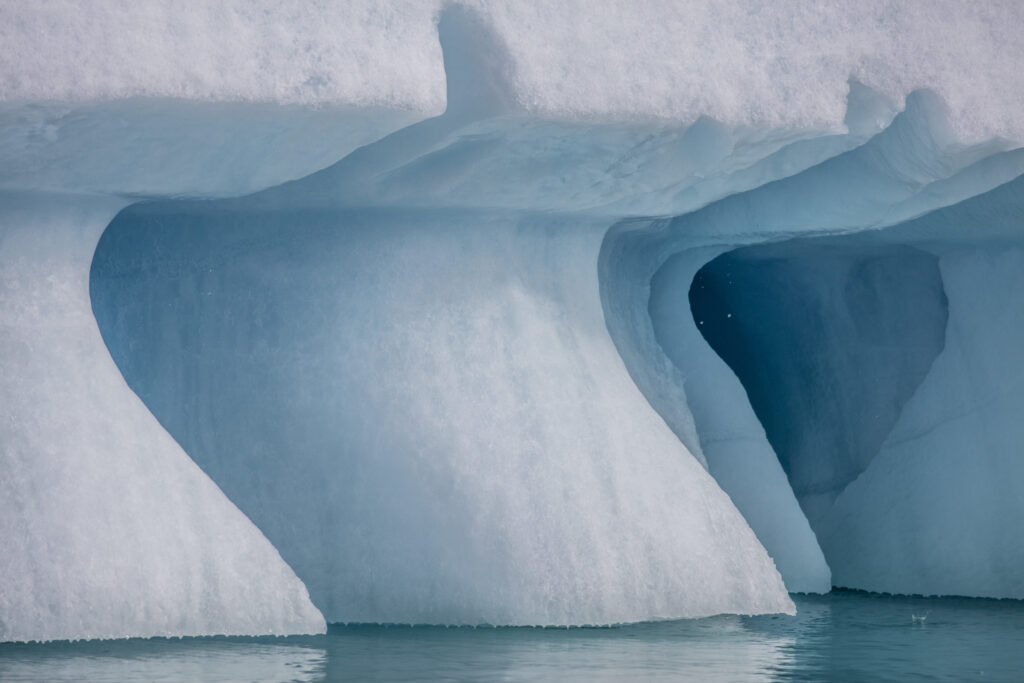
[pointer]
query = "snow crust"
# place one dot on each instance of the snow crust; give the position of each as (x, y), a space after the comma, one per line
(358, 54)
(757, 63)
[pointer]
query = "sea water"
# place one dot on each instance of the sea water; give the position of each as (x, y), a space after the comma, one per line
(845, 635)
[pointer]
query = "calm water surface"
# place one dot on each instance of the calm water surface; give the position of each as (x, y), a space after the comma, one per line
(843, 636)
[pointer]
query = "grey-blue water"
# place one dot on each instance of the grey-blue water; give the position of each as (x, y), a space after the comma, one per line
(844, 636)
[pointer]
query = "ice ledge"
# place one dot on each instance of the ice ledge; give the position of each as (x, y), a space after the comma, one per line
(764, 64)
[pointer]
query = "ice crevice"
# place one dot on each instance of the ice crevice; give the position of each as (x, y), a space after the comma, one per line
(269, 366)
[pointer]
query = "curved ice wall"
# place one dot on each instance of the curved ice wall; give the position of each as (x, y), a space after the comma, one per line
(839, 343)
(455, 376)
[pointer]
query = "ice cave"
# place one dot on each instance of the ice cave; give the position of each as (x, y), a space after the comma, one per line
(422, 313)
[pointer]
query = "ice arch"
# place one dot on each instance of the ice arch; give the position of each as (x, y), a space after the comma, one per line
(885, 498)
(399, 368)
(176, 303)
(423, 414)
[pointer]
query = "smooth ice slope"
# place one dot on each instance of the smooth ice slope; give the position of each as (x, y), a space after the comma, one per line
(449, 438)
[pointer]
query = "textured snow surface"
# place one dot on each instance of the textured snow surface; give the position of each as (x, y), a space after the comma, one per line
(762, 63)
(108, 529)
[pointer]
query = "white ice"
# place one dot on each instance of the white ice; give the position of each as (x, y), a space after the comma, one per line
(108, 529)
(761, 63)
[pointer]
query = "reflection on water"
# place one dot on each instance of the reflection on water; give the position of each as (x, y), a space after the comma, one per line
(842, 636)
(720, 648)
(159, 660)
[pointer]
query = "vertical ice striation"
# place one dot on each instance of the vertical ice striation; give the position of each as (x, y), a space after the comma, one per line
(421, 407)
(731, 438)
(423, 412)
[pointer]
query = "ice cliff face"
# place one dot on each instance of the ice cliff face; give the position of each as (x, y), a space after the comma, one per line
(729, 310)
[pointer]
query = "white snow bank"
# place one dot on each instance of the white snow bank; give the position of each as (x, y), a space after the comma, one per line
(360, 54)
(760, 63)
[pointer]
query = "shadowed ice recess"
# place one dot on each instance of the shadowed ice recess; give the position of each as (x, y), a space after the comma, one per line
(496, 367)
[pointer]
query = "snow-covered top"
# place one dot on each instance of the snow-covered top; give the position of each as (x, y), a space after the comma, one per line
(751, 62)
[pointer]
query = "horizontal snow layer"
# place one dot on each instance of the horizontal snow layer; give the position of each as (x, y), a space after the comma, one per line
(760, 63)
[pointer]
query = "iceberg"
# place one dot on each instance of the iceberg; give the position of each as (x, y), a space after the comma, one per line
(425, 313)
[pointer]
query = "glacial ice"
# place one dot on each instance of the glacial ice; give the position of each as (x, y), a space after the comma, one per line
(442, 365)
(950, 470)
(806, 324)
(451, 437)
(108, 529)
(841, 341)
